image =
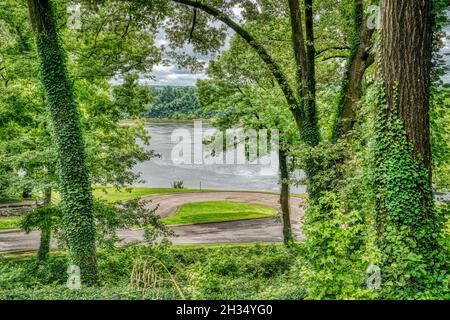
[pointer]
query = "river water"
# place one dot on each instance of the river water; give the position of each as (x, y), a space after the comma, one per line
(161, 172)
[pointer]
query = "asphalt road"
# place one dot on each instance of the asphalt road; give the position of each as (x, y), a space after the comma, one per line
(241, 231)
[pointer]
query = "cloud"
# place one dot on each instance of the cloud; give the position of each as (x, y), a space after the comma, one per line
(172, 75)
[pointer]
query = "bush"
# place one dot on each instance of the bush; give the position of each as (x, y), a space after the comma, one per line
(333, 262)
(178, 185)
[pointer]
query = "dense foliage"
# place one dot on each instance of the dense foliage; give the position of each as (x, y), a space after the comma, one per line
(227, 272)
(108, 219)
(176, 103)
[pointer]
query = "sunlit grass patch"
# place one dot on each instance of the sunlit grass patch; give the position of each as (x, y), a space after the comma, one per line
(8, 223)
(218, 211)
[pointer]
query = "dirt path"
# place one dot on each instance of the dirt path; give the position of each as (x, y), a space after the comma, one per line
(241, 231)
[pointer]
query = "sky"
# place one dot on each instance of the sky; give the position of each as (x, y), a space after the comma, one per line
(172, 75)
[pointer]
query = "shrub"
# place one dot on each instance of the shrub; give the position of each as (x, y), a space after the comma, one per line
(178, 184)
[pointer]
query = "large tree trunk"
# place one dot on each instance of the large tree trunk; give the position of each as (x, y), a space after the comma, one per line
(310, 72)
(298, 44)
(304, 53)
(284, 198)
(76, 193)
(407, 50)
(408, 226)
(360, 59)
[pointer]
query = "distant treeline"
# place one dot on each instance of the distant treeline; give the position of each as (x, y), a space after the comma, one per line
(176, 103)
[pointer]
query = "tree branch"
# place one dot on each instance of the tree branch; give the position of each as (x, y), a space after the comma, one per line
(358, 62)
(319, 52)
(260, 50)
(334, 57)
(194, 20)
(298, 43)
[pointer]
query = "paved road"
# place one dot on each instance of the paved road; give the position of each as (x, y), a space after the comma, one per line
(242, 231)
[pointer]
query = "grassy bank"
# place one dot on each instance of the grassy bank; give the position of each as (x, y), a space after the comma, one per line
(110, 194)
(114, 194)
(9, 223)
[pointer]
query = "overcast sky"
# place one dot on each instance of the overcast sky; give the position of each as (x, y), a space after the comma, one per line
(172, 75)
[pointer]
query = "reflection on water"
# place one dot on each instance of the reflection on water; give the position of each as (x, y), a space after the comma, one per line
(161, 172)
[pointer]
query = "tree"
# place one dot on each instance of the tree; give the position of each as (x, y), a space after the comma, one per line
(288, 237)
(76, 194)
(302, 108)
(27, 139)
(268, 23)
(409, 228)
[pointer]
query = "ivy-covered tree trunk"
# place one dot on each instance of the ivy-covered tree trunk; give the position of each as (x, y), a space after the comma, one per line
(408, 227)
(46, 231)
(284, 198)
(359, 60)
(76, 193)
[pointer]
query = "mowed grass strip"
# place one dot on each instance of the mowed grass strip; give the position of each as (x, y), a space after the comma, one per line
(10, 223)
(218, 211)
(112, 194)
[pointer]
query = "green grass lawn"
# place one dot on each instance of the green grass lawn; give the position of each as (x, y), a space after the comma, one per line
(112, 194)
(217, 211)
(8, 223)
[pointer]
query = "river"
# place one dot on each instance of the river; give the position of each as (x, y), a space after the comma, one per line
(161, 172)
